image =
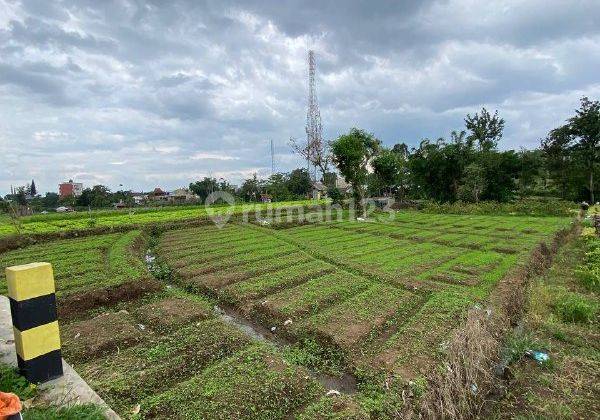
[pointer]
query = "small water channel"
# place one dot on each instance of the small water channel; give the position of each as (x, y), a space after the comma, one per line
(345, 383)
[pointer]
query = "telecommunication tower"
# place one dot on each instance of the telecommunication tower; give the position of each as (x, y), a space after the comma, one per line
(314, 137)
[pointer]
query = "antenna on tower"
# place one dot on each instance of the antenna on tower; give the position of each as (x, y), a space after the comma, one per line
(272, 158)
(314, 138)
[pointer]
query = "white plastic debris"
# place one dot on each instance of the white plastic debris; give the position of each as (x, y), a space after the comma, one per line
(333, 392)
(273, 329)
(360, 219)
(77, 335)
(287, 322)
(141, 327)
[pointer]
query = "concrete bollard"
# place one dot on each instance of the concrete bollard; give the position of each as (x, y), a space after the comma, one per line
(35, 323)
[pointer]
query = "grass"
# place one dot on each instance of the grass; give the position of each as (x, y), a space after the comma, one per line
(63, 222)
(11, 381)
(562, 321)
(376, 300)
(572, 307)
(83, 263)
(385, 292)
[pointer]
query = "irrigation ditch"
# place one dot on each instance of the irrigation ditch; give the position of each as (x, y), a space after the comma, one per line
(344, 383)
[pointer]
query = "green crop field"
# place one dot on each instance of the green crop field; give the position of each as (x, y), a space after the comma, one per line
(342, 305)
(63, 222)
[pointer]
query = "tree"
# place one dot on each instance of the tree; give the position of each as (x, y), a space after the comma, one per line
(531, 170)
(20, 196)
(501, 170)
(316, 152)
(50, 200)
(585, 127)
(97, 197)
(473, 183)
(205, 187)
(329, 179)
(352, 154)
(277, 187)
(558, 160)
(32, 189)
(251, 189)
(388, 166)
(299, 183)
(485, 129)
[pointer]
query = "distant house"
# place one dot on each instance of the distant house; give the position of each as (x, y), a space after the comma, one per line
(120, 205)
(180, 195)
(139, 198)
(63, 209)
(158, 195)
(342, 185)
(266, 198)
(319, 190)
(183, 195)
(70, 189)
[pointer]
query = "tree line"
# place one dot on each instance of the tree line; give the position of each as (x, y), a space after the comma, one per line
(469, 166)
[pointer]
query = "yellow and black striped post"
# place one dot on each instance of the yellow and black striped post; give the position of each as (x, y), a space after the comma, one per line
(35, 323)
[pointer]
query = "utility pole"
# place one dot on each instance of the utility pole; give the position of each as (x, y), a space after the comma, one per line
(272, 158)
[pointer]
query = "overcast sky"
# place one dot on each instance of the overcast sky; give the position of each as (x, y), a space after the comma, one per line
(161, 93)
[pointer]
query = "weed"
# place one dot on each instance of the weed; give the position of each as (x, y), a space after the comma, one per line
(572, 307)
(11, 381)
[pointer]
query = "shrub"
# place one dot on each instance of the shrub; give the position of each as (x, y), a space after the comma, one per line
(529, 207)
(571, 307)
(335, 194)
(589, 271)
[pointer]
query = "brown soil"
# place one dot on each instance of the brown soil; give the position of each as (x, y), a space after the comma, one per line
(75, 305)
(170, 314)
(99, 336)
(505, 250)
(448, 278)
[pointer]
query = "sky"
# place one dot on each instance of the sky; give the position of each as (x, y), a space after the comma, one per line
(140, 94)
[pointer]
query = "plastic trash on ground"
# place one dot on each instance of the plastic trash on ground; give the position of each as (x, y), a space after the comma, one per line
(538, 356)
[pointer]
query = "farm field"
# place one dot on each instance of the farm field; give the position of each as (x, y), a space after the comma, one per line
(340, 303)
(378, 295)
(64, 222)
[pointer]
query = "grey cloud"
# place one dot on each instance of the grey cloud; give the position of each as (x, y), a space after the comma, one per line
(151, 83)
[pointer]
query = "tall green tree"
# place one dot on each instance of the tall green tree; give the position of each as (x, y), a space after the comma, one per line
(389, 167)
(299, 184)
(484, 129)
(277, 187)
(352, 153)
(204, 187)
(585, 128)
(32, 189)
(556, 149)
(251, 189)
(473, 183)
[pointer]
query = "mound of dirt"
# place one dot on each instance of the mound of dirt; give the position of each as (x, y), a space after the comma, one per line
(90, 339)
(75, 305)
(171, 314)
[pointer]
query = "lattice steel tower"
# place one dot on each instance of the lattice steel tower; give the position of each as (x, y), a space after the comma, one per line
(314, 138)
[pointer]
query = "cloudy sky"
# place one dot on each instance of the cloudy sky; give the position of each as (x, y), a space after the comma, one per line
(160, 93)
